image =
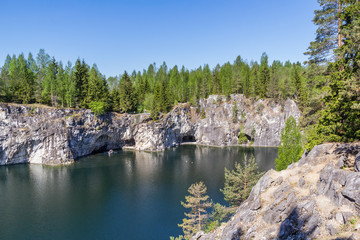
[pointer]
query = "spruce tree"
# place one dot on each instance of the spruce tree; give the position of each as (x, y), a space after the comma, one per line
(127, 98)
(81, 75)
(240, 181)
(340, 121)
(198, 203)
(264, 77)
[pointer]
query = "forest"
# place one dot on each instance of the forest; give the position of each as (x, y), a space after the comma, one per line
(326, 87)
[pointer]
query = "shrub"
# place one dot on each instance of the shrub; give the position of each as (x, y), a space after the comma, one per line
(242, 136)
(98, 108)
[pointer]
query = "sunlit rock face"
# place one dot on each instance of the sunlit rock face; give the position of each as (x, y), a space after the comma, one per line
(312, 199)
(262, 120)
(44, 135)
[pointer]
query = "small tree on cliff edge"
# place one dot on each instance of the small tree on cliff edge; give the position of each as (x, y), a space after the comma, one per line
(198, 202)
(240, 181)
(290, 149)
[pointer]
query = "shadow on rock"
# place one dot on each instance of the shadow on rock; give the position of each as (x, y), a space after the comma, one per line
(299, 225)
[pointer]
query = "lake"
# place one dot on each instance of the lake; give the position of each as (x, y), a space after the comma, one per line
(130, 195)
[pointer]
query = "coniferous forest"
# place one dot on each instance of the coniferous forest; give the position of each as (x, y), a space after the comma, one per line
(326, 87)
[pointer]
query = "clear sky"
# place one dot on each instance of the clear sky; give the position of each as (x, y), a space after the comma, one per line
(121, 35)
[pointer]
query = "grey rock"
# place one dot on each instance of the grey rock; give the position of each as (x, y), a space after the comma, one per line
(59, 136)
(198, 235)
(357, 163)
(347, 216)
(331, 183)
(301, 182)
(339, 218)
(340, 162)
(290, 213)
(331, 229)
(352, 187)
(357, 227)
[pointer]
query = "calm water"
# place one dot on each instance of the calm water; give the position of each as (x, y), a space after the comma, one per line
(131, 195)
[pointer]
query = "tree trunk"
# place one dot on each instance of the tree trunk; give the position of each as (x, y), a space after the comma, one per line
(340, 36)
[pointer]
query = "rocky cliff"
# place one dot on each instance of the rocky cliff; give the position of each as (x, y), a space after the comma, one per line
(39, 134)
(315, 198)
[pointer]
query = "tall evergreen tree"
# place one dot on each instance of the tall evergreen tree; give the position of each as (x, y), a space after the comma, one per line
(264, 77)
(340, 121)
(216, 89)
(5, 93)
(49, 84)
(42, 61)
(328, 36)
(198, 202)
(127, 98)
(81, 78)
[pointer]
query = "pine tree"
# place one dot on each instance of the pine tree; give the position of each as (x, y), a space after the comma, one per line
(290, 149)
(240, 181)
(198, 203)
(328, 36)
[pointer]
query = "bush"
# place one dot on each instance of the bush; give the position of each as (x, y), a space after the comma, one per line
(242, 136)
(98, 108)
(203, 114)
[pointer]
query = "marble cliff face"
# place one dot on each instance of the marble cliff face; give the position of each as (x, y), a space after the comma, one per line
(44, 135)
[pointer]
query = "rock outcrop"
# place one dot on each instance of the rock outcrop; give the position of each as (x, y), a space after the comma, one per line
(39, 134)
(315, 198)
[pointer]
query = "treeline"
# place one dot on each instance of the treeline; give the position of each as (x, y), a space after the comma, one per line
(47, 81)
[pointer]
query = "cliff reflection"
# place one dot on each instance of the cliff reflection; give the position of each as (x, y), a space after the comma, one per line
(110, 195)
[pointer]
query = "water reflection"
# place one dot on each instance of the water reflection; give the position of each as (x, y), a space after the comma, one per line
(130, 195)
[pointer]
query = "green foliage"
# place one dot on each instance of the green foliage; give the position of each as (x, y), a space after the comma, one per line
(253, 132)
(327, 20)
(218, 215)
(98, 108)
(240, 181)
(198, 203)
(242, 136)
(180, 237)
(126, 101)
(203, 114)
(340, 120)
(290, 149)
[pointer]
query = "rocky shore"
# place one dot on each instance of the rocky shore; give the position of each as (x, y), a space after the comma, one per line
(45, 135)
(315, 198)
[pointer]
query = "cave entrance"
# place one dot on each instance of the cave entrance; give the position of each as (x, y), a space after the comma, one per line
(186, 139)
(249, 138)
(129, 142)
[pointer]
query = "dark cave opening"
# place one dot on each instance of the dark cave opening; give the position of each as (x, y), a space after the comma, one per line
(188, 139)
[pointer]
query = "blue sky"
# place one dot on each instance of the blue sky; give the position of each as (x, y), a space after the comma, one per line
(127, 35)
